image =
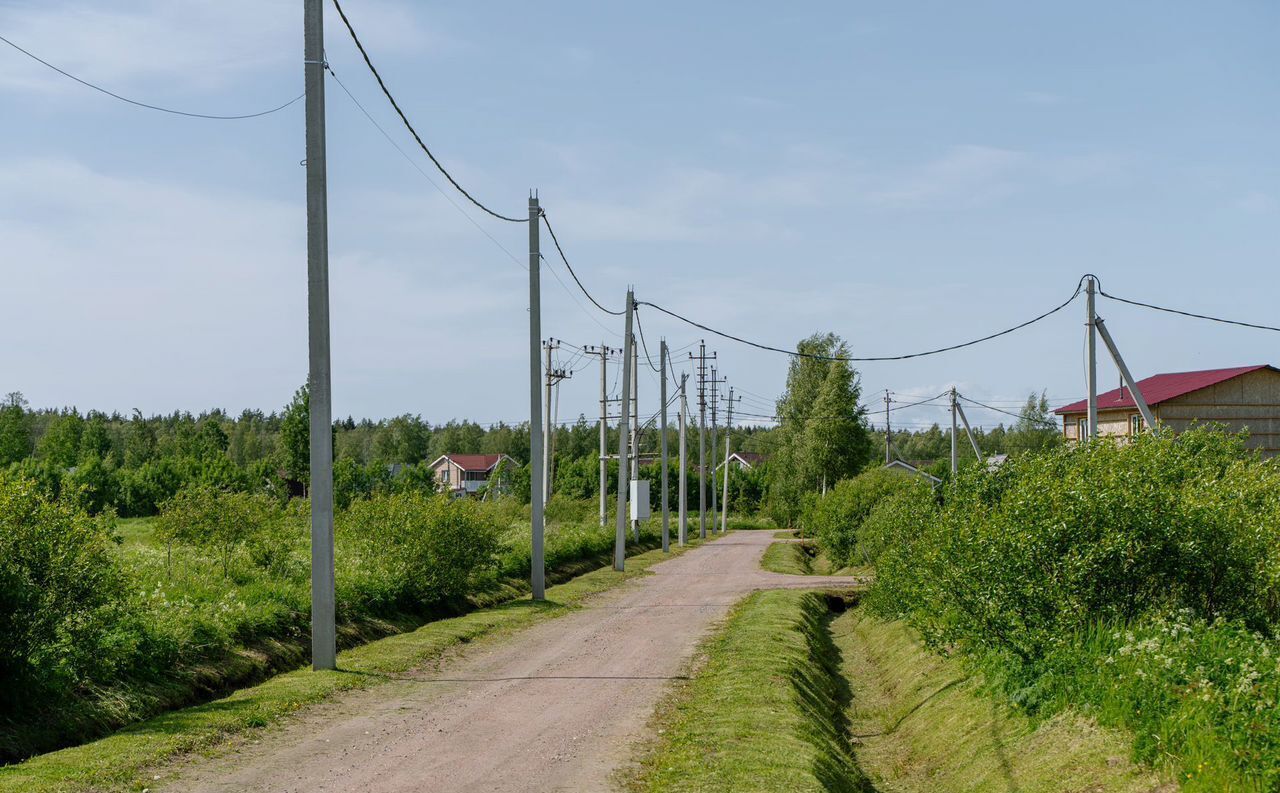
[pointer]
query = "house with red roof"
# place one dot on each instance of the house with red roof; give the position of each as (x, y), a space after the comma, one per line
(464, 474)
(1241, 398)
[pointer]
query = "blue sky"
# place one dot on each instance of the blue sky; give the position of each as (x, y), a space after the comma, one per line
(906, 175)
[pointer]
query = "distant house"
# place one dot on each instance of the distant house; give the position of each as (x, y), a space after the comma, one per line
(909, 469)
(744, 461)
(464, 474)
(1242, 398)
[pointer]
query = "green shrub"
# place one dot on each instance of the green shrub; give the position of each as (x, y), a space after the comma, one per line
(208, 518)
(1047, 569)
(64, 613)
(835, 518)
(410, 551)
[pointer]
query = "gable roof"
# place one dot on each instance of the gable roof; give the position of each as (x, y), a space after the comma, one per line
(1161, 388)
(471, 462)
(911, 469)
(750, 458)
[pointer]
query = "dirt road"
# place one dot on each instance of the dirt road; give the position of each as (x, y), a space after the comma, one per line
(559, 706)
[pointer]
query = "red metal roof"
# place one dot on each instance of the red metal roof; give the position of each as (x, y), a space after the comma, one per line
(474, 462)
(1160, 388)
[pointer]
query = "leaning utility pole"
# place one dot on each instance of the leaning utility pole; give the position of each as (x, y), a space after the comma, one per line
(620, 536)
(683, 487)
(702, 359)
(1091, 347)
(324, 649)
(888, 458)
(728, 437)
(666, 509)
(538, 474)
(715, 381)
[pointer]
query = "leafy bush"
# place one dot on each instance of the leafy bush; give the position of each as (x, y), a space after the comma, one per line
(208, 518)
(1045, 570)
(834, 519)
(408, 551)
(63, 606)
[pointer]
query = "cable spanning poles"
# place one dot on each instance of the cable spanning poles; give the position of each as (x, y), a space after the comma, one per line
(146, 105)
(409, 126)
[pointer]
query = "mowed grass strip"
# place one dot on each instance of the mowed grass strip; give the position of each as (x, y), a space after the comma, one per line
(765, 712)
(804, 558)
(122, 761)
(923, 723)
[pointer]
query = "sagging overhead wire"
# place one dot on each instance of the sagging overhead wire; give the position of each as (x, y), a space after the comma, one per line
(148, 106)
(798, 354)
(386, 92)
(1186, 313)
(547, 222)
(647, 357)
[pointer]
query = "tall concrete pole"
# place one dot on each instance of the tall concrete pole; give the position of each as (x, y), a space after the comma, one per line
(728, 436)
(888, 456)
(324, 650)
(624, 441)
(547, 429)
(683, 489)
(635, 428)
(715, 382)
(702, 440)
(537, 477)
(604, 435)
(1091, 347)
(666, 485)
(955, 449)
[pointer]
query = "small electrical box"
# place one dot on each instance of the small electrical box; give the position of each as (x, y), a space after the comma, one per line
(639, 499)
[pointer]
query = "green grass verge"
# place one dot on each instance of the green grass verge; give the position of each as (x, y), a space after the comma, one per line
(803, 558)
(923, 723)
(118, 761)
(765, 713)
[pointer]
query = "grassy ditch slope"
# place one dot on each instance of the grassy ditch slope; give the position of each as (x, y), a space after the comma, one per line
(766, 712)
(121, 761)
(923, 723)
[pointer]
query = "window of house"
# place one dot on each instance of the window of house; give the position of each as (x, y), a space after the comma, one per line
(1082, 429)
(444, 475)
(1136, 424)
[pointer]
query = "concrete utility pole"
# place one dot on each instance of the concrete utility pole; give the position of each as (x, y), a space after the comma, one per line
(324, 649)
(683, 486)
(604, 351)
(624, 432)
(1091, 346)
(666, 509)
(715, 382)
(955, 452)
(553, 378)
(728, 437)
(538, 474)
(888, 457)
(702, 359)
(635, 429)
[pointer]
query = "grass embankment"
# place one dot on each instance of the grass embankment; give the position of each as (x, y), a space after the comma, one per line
(122, 761)
(803, 558)
(923, 723)
(766, 712)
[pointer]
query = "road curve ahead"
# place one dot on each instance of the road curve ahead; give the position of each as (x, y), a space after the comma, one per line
(558, 706)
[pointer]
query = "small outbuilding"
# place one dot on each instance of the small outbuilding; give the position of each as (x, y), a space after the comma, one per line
(1242, 398)
(464, 474)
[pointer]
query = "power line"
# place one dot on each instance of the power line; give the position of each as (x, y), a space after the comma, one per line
(547, 222)
(135, 102)
(798, 354)
(1188, 313)
(1019, 416)
(648, 358)
(412, 131)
